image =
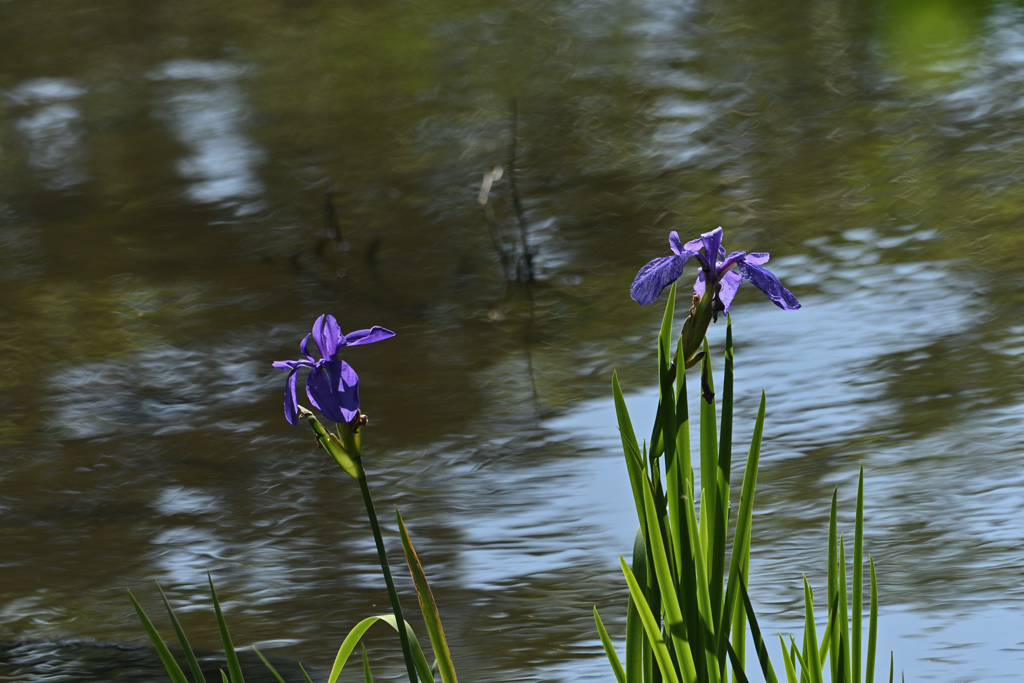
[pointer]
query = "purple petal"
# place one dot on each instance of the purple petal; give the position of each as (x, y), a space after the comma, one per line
(711, 243)
(730, 260)
(375, 334)
(757, 258)
(333, 388)
(655, 276)
(304, 346)
(292, 364)
(730, 285)
(769, 284)
(291, 400)
(327, 335)
(675, 244)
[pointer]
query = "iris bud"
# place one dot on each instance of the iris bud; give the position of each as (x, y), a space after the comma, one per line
(696, 327)
(344, 451)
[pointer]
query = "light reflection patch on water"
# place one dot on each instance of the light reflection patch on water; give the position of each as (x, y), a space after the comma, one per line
(161, 390)
(182, 555)
(207, 112)
(179, 500)
(52, 130)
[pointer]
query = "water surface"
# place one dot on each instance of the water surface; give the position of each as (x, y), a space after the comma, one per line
(164, 172)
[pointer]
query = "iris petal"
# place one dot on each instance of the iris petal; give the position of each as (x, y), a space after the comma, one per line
(699, 286)
(291, 400)
(675, 244)
(375, 334)
(769, 284)
(348, 392)
(655, 276)
(326, 393)
(730, 260)
(327, 335)
(712, 242)
(730, 285)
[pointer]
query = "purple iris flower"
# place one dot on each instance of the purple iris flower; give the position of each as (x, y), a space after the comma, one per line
(332, 385)
(716, 270)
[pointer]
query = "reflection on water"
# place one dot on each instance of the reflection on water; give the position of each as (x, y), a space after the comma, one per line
(52, 130)
(163, 239)
(207, 114)
(140, 394)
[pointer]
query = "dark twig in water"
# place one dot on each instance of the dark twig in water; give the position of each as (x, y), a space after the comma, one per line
(517, 267)
(527, 261)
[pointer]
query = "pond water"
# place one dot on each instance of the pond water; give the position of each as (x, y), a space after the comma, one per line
(165, 176)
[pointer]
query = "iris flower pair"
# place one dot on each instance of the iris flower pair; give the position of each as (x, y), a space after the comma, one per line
(716, 272)
(332, 385)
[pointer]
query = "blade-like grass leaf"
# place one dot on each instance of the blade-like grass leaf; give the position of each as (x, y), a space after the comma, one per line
(688, 591)
(269, 666)
(666, 582)
(660, 649)
(631, 449)
(634, 627)
(190, 657)
(826, 638)
(805, 676)
(843, 654)
(741, 537)
(304, 674)
(701, 580)
(667, 585)
(352, 639)
(737, 665)
(428, 607)
(858, 581)
(869, 672)
(843, 623)
(787, 661)
(755, 631)
(234, 669)
(813, 666)
(724, 618)
(173, 670)
(833, 578)
(609, 649)
(708, 460)
(665, 373)
(367, 675)
(725, 439)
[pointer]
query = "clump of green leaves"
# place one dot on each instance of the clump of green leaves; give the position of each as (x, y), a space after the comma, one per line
(688, 607)
(424, 670)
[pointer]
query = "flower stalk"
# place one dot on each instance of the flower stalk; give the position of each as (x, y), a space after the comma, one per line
(396, 605)
(346, 449)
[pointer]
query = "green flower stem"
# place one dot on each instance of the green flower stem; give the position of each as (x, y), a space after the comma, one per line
(382, 555)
